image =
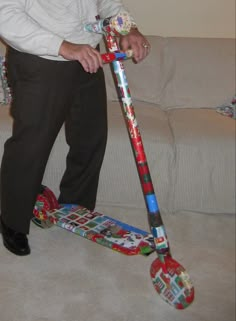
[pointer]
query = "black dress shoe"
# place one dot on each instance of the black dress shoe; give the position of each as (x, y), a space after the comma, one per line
(15, 242)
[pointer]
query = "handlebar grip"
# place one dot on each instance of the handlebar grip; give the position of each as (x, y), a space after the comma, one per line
(112, 56)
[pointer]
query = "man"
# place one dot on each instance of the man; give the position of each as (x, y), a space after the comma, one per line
(55, 74)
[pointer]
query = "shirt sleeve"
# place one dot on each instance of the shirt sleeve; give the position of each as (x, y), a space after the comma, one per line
(21, 32)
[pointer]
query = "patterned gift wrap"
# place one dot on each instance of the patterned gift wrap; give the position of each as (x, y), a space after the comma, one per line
(174, 286)
(169, 278)
(102, 229)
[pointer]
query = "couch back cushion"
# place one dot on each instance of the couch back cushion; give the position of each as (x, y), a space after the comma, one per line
(201, 72)
(144, 78)
(179, 73)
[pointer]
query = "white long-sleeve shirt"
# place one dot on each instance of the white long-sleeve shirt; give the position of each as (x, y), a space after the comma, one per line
(40, 26)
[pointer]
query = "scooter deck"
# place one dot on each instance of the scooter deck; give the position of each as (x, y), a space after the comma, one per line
(102, 229)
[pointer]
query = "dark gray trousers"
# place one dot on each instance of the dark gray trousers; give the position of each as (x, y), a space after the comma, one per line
(46, 94)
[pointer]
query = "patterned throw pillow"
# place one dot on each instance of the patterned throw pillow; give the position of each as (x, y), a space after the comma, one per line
(5, 93)
(228, 109)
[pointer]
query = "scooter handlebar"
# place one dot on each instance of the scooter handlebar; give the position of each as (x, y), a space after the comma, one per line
(113, 56)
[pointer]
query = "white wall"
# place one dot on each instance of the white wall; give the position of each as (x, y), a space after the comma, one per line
(188, 18)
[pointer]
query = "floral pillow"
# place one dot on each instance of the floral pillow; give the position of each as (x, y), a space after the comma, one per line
(228, 109)
(5, 94)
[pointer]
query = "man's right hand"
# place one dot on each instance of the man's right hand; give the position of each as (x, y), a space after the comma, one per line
(89, 57)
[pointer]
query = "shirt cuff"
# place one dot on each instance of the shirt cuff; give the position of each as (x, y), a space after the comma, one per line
(54, 46)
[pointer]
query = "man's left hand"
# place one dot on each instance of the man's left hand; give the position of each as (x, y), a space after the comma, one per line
(137, 42)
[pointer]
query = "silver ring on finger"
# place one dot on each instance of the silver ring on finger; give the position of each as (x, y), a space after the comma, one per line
(145, 45)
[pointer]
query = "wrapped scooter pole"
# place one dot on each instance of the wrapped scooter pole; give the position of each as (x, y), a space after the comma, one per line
(170, 279)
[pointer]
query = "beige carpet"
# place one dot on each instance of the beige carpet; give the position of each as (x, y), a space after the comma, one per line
(68, 278)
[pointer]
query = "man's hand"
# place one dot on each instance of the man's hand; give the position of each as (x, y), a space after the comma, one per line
(89, 57)
(137, 42)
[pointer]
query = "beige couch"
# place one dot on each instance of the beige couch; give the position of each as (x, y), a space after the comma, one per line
(190, 147)
(191, 154)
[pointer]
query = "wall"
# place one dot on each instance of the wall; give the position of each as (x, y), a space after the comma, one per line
(188, 18)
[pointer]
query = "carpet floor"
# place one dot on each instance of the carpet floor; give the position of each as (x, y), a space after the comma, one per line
(68, 278)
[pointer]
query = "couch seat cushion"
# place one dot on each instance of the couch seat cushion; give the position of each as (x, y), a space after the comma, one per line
(119, 183)
(205, 161)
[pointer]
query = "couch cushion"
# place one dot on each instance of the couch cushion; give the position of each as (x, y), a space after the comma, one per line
(145, 78)
(119, 181)
(205, 161)
(201, 72)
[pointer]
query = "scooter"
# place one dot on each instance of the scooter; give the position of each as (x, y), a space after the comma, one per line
(169, 277)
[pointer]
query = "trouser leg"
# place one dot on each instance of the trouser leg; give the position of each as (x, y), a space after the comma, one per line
(41, 95)
(86, 135)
